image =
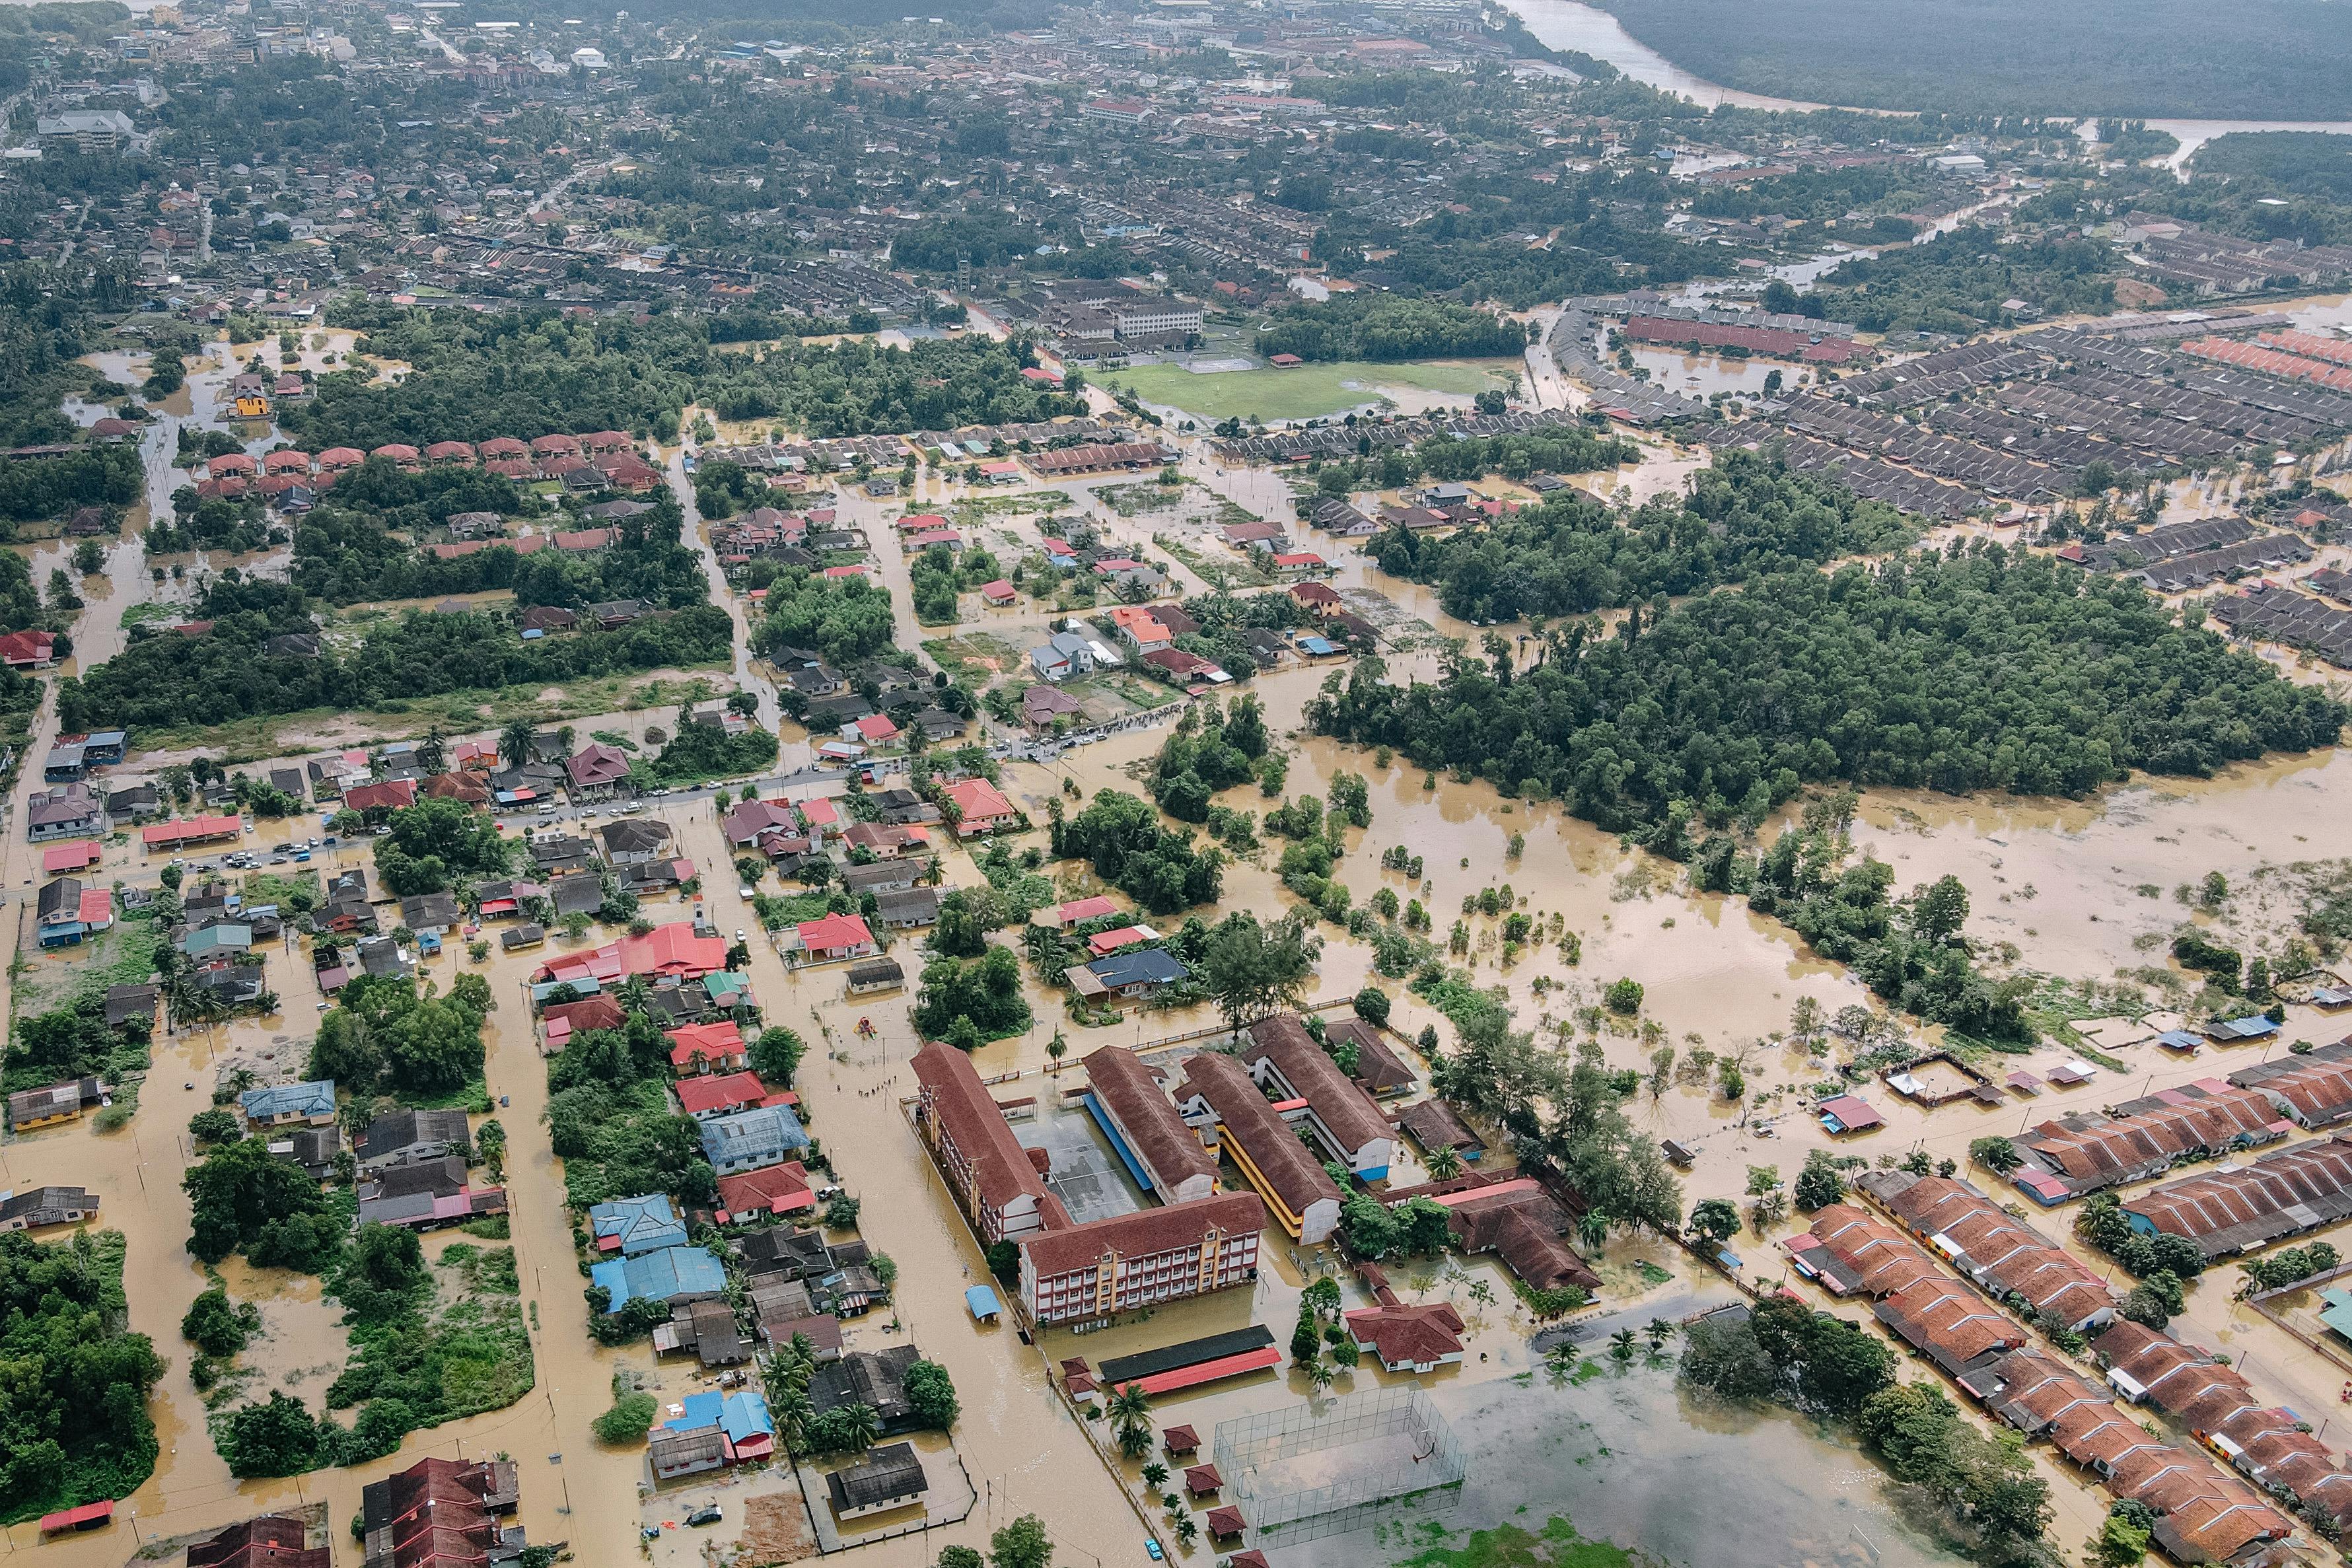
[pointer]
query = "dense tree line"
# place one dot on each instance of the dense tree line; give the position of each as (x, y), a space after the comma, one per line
(1959, 282)
(530, 372)
(2011, 57)
(1370, 326)
(383, 1033)
(845, 619)
(73, 1041)
(228, 674)
(1745, 517)
(520, 374)
(969, 1004)
(74, 1426)
(346, 556)
(1977, 670)
(699, 753)
(1121, 836)
(35, 488)
(49, 311)
(609, 1117)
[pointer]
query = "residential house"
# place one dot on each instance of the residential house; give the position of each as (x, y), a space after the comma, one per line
(671, 1274)
(773, 1192)
(36, 1208)
(71, 812)
(1042, 707)
(272, 1540)
(631, 1226)
(875, 1379)
(1135, 975)
(979, 807)
(764, 1135)
(597, 772)
(835, 937)
(406, 1137)
(1066, 656)
(709, 1095)
(57, 1103)
(890, 1476)
(285, 1104)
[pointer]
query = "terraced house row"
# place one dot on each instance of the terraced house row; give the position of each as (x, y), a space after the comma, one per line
(2205, 1514)
(2074, 1156)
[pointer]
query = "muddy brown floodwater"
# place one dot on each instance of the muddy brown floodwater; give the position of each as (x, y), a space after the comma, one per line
(2059, 879)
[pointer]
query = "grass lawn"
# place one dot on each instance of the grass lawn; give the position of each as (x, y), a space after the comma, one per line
(1302, 392)
(285, 734)
(977, 656)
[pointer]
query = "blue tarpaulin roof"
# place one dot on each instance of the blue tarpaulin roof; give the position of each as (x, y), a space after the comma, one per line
(982, 1301)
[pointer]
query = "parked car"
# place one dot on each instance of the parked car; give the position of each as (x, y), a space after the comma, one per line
(704, 1515)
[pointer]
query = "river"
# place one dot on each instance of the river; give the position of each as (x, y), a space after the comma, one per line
(1588, 30)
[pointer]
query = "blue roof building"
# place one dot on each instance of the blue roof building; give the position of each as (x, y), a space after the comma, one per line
(1141, 972)
(276, 1102)
(743, 1417)
(674, 1274)
(700, 1410)
(748, 1140)
(632, 1225)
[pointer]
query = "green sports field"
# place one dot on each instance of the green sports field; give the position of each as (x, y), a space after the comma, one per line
(1301, 392)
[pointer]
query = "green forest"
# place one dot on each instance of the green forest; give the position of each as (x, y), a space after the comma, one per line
(170, 681)
(1977, 671)
(2160, 58)
(347, 554)
(1384, 327)
(1959, 282)
(1746, 516)
(74, 1426)
(531, 373)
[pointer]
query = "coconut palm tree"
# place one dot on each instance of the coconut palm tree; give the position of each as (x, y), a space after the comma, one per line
(1593, 1231)
(1660, 1332)
(1444, 1163)
(1620, 1344)
(861, 1425)
(1155, 1476)
(1130, 1413)
(1561, 1353)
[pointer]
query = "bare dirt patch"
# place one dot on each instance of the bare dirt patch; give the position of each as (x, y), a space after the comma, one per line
(776, 1529)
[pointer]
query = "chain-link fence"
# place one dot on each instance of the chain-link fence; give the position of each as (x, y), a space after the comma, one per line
(1305, 1473)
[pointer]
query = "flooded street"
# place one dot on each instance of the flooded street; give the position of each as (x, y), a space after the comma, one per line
(1615, 1447)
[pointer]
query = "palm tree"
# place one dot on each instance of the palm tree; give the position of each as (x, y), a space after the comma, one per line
(1660, 1332)
(1185, 1529)
(1155, 1476)
(1444, 1163)
(859, 1426)
(1620, 1344)
(1130, 1413)
(1058, 1046)
(1593, 1231)
(1561, 1354)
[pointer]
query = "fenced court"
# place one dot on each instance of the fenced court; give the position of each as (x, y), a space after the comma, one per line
(1304, 1473)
